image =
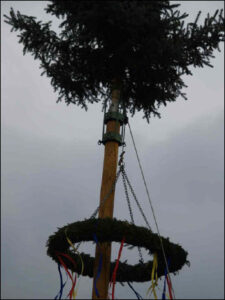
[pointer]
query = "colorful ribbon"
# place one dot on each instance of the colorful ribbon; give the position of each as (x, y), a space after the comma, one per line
(76, 251)
(59, 295)
(58, 254)
(76, 290)
(154, 277)
(82, 263)
(164, 287)
(169, 287)
(136, 293)
(99, 266)
(165, 280)
(113, 279)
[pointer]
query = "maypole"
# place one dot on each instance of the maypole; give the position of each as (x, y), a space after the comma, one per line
(140, 49)
(108, 178)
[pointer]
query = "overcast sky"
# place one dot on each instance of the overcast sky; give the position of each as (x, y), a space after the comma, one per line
(52, 165)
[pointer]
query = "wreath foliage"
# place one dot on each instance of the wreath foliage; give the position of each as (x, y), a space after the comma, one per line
(109, 230)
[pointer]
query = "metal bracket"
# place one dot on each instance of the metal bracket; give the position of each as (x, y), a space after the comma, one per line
(111, 137)
(115, 116)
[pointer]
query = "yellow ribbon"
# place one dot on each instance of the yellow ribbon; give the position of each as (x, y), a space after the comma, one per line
(82, 264)
(74, 294)
(154, 276)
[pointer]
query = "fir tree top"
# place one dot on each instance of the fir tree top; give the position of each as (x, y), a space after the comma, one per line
(142, 45)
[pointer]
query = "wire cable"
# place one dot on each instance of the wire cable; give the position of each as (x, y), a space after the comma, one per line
(150, 202)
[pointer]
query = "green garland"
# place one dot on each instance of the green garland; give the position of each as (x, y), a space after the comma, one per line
(109, 230)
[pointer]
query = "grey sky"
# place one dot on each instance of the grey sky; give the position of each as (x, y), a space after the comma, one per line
(52, 165)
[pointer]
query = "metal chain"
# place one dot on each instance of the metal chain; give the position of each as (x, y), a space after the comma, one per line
(135, 198)
(112, 188)
(129, 206)
(103, 201)
(107, 195)
(127, 197)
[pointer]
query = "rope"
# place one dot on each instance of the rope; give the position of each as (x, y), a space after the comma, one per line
(142, 173)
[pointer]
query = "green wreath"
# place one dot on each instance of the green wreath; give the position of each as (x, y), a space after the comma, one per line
(109, 230)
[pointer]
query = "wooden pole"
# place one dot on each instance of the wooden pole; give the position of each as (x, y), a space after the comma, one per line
(106, 210)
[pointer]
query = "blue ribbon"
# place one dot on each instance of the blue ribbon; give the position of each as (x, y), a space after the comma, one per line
(136, 293)
(59, 295)
(164, 289)
(99, 266)
(164, 286)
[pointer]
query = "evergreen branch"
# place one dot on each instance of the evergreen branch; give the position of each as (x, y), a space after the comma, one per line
(144, 44)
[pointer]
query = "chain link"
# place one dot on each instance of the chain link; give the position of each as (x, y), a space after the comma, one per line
(103, 201)
(136, 200)
(127, 197)
(107, 195)
(129, 206)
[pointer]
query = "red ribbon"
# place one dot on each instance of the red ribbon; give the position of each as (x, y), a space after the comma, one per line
(113, 279)
(169, 286)
(66, 269)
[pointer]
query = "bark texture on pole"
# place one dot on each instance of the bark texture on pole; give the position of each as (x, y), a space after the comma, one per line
(106, 210)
